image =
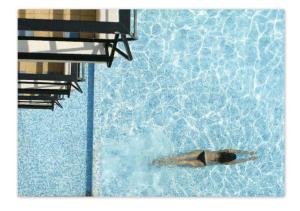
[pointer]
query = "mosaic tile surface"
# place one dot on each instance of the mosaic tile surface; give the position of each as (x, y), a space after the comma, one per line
(52, 149)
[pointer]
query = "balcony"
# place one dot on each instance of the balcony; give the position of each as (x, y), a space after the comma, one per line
(53, 46)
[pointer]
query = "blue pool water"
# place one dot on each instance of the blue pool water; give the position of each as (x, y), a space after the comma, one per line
(200, 79)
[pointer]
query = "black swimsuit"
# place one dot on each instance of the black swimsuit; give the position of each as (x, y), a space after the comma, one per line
(201, 157)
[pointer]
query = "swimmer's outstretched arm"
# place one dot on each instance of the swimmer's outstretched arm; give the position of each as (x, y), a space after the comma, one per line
(239, 151)
(240, 161)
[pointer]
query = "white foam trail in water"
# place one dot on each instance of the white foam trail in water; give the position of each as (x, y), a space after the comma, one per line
(132, 159)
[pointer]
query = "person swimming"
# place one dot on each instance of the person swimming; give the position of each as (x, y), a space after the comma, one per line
(202, 158)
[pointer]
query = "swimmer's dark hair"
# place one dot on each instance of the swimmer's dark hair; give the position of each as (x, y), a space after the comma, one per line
(226, 157)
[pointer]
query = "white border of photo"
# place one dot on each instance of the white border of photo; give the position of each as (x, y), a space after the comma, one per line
(8, 113)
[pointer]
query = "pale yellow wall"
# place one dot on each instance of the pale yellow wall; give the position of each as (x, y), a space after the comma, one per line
(46, 67)
(41, 67)
(84, 15)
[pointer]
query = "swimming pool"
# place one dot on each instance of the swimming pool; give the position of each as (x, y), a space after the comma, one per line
(200, 79)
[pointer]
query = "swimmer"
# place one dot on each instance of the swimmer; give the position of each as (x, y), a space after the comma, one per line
(202, 158)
